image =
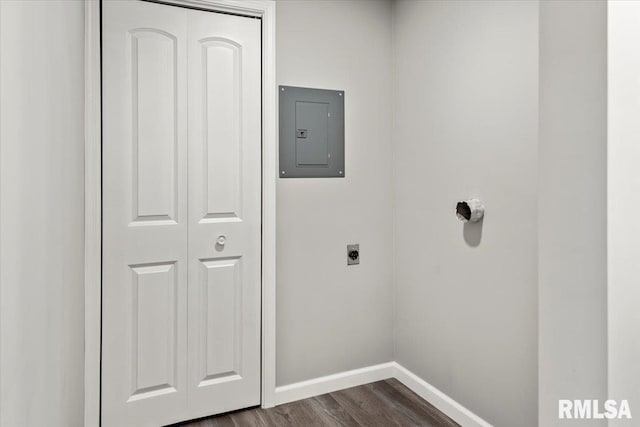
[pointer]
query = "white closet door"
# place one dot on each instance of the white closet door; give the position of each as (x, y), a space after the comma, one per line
(224, 203)
(181, 167)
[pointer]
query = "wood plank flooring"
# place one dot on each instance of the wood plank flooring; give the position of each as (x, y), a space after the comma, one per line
(379, 404)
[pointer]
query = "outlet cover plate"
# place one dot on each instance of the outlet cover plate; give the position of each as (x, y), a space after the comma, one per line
(350, 249)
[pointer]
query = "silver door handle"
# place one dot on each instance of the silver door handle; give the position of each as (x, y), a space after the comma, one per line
(222, 239)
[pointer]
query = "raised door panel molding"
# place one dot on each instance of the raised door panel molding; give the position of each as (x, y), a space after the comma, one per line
(222, 106)
(153, 330)
(221, 320)
(155, 138)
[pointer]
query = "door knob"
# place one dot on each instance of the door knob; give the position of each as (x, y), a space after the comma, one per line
(222, 239)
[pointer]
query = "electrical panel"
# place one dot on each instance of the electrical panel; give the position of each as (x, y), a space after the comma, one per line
(311, 133)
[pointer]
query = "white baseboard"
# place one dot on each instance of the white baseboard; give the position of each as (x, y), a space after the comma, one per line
(444, 403)
(356, 377)
(335, 382)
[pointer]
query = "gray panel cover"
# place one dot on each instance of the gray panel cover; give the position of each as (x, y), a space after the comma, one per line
(311, 133)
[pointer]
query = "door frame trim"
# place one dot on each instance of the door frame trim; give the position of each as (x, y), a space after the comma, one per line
(266, 10)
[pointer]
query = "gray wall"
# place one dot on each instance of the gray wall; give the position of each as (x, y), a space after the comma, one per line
(330, 317)
(41, 213)
(466, 125)
(572, 206)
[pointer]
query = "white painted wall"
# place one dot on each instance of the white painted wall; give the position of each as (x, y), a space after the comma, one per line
(330, 317)
(572, 206)
(41, 213)
(624, 202)
(466, 125)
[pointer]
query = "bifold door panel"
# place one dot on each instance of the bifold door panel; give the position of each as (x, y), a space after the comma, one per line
(181, 213)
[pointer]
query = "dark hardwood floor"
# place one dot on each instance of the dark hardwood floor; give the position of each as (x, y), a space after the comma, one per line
(379, 404)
